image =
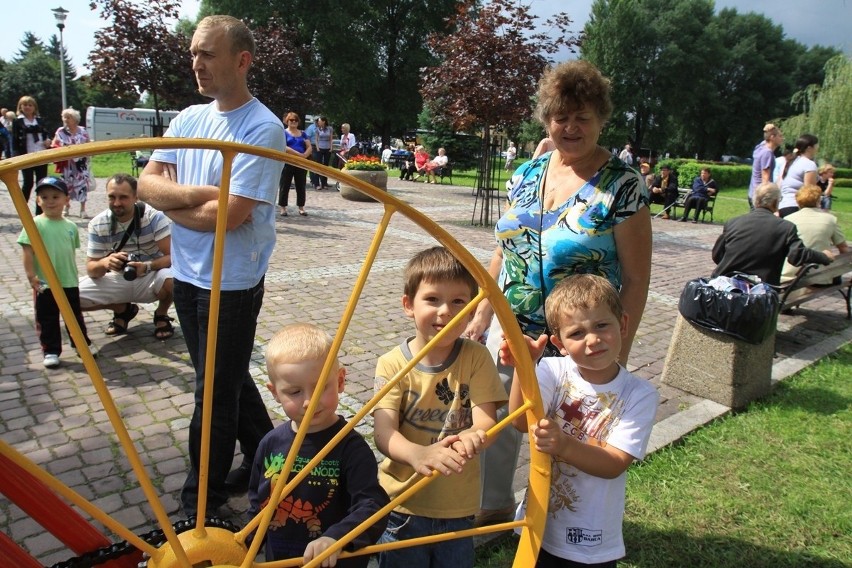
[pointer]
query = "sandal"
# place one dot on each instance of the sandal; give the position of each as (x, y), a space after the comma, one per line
(163, 332)
(116, 328)
(303, 213)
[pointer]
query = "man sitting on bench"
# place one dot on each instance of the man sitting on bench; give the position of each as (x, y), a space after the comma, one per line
(758, 242)
(703, 187)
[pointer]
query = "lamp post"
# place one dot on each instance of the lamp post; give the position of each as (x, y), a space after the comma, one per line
(60, 14)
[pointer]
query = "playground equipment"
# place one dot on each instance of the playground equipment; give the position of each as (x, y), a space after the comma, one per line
(196, 542)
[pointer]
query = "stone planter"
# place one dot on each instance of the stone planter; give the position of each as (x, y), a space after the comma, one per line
(377, 178)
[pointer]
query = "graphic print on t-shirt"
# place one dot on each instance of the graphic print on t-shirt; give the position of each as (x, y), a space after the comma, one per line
(297, 510)
(589, 418)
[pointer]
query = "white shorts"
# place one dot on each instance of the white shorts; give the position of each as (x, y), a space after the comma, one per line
(112, 288)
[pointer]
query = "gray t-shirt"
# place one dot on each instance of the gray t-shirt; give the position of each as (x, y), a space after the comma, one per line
(795, 179)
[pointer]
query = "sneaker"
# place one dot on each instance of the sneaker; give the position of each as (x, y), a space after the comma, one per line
(92, 348)
(51, 361)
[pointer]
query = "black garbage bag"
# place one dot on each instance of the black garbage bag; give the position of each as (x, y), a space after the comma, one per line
(740, 306)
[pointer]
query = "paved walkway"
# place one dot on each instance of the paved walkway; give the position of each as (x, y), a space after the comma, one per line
(55, 418)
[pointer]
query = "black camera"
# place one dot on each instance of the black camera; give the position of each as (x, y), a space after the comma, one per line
(130, 273)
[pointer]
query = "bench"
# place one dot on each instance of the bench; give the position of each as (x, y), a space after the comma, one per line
(682, 193)
(801, 289)
(445, 171)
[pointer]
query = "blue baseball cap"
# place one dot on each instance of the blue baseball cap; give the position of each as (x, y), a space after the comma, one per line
(53, 183)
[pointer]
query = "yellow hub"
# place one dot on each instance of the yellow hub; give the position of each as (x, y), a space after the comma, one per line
(213, 547)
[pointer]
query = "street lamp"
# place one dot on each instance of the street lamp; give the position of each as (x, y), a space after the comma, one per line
(60, 14)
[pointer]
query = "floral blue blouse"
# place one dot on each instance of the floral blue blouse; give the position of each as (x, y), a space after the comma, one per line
(541, 247)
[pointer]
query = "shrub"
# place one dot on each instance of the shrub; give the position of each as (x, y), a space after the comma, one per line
(726, 175)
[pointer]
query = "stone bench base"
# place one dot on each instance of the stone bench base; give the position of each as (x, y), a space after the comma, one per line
(718, 367)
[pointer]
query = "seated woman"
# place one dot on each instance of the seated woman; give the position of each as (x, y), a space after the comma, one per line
(817, 229)
(703, 187)
(421, 158)
(434, 165)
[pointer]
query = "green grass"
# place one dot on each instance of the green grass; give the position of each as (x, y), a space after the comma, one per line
(106, 165)
(767, 487)
(734, 202)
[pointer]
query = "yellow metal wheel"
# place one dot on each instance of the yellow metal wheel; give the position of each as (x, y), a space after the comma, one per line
(219, 547)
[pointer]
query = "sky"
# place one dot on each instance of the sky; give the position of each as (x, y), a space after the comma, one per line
(823, 22)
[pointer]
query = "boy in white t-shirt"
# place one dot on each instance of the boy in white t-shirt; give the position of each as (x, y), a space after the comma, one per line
(598, 420)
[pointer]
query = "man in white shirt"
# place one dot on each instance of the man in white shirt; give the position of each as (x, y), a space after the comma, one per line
(184, 183)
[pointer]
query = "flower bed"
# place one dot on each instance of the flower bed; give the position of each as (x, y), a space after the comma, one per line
(364, 163)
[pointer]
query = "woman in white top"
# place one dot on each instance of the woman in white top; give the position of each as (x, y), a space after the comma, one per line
(436, 163)
(798, 171)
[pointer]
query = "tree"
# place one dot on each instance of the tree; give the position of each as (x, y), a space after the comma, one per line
(278, 76)
(827, 111)
(655, 53)
(490, 64)
(33, 72)
(366, 55)
(690, 81)
(810, 66)
(138, 53)
(753, 73)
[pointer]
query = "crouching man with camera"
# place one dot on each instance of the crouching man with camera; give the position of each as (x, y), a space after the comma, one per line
(129, 260)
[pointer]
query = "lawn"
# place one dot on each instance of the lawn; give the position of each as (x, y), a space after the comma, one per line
(766, 487)
(106, 165)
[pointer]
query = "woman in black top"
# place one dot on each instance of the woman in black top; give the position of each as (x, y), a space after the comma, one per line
(29, 134)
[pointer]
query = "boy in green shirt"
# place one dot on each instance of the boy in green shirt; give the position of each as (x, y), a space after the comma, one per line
(61, 238)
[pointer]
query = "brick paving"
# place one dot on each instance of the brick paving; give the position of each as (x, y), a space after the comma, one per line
(56, 419)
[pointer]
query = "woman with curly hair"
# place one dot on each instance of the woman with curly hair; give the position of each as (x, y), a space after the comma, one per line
(75, 172)
(576, 209)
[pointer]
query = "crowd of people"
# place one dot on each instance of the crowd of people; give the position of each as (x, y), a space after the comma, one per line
(577, 285)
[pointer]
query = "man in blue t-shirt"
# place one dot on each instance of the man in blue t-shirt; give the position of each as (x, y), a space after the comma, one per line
(764, 159)
(184, 184)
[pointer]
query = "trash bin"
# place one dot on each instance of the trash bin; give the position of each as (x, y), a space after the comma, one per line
(740, 306)
(724, 340)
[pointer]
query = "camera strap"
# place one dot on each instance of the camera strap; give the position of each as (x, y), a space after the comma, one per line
(138, 208)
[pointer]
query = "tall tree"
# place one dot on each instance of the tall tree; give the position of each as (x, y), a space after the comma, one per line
(366, 55)
(35, 73)
(827, 112)
(138, 53)
(751, 81)
(654, 52)
(29, 43)
(810, 66)
(490, 64)
(279, 76)
(688, 81)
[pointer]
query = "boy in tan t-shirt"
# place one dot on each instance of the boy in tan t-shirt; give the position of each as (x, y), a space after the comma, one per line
(436, 416)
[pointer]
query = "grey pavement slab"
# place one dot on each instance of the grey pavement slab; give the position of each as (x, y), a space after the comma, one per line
(56, 419)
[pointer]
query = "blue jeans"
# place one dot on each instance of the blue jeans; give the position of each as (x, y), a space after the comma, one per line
(238, 409)
(456, 553)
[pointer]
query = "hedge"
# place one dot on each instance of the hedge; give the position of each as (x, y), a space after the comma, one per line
(725, 174)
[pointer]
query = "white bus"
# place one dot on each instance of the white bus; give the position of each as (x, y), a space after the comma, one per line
(111, 123)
